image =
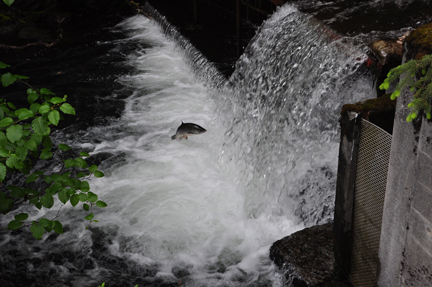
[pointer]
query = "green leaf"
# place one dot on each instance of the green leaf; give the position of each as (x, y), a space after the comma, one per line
(47, 142)
(86, 207)
(67, 109)
(74, 199)
(31, 178)
(93, 168)
(30, 191)
(64, 147)
(98, 173)
(101, 203)
(48, 180)
(6, 122)
(2, 172)
(66, 180)
(84, 154)
(5, 204)
(32, 96)
(3, 140)
(31, 145)
(92, 197)
(46, 154)
(53, 188)
(37, 231)
(69, 163)
(21, 216)
(63, 195)
(45, 222)
(57, 100)
(54, 117)
(14, 224)
(37, 138)
(23, 114)
(40, 126)
(11, 105)
(47, 201)
(45, 108)
(81, 174)
(83, 197)
(85, 186)
(70, 191)
(34, 200)
(12, 162)
(21, 153)
(26, 133)
(16, 192)
(89, 217)
(35, 107)
(49, 228)
(3, 65)
(14, 133)
(8, 79)
(58, 227)
(4, 152)
(45, 91)
(79, 162)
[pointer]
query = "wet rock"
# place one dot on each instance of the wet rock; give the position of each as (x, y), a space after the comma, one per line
(34, 33)
(307, 258)
(387, 51)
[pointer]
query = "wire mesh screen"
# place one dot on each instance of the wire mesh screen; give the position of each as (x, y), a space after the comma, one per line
(370, 184)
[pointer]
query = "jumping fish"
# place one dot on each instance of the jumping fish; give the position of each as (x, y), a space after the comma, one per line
(188, 129)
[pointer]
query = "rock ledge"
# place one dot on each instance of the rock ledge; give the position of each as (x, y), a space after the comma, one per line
(306, 257)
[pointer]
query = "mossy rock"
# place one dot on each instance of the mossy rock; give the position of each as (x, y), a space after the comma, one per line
(420, 41)
(383, 103)
(379, 111)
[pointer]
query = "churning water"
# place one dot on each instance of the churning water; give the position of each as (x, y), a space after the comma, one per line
(204, 211)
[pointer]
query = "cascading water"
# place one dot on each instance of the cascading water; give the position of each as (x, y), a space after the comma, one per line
(288, 90)
(204, 212)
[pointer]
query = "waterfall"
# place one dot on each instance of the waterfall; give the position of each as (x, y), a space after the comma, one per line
(288, 90)
(204, 212)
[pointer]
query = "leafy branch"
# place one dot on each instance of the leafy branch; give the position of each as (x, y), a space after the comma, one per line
(24, 139)
(415, 75)
(8, 2)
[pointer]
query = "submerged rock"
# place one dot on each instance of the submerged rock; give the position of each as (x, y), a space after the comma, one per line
(307, 257)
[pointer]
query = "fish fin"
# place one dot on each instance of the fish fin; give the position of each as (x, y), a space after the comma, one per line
(173, 137)
(185, 137)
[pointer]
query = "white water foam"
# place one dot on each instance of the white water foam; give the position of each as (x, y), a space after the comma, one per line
(175, 201)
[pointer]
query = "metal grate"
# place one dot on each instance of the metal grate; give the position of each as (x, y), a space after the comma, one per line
(370, 184)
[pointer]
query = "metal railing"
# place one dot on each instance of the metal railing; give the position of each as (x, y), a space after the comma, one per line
(370, 185)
